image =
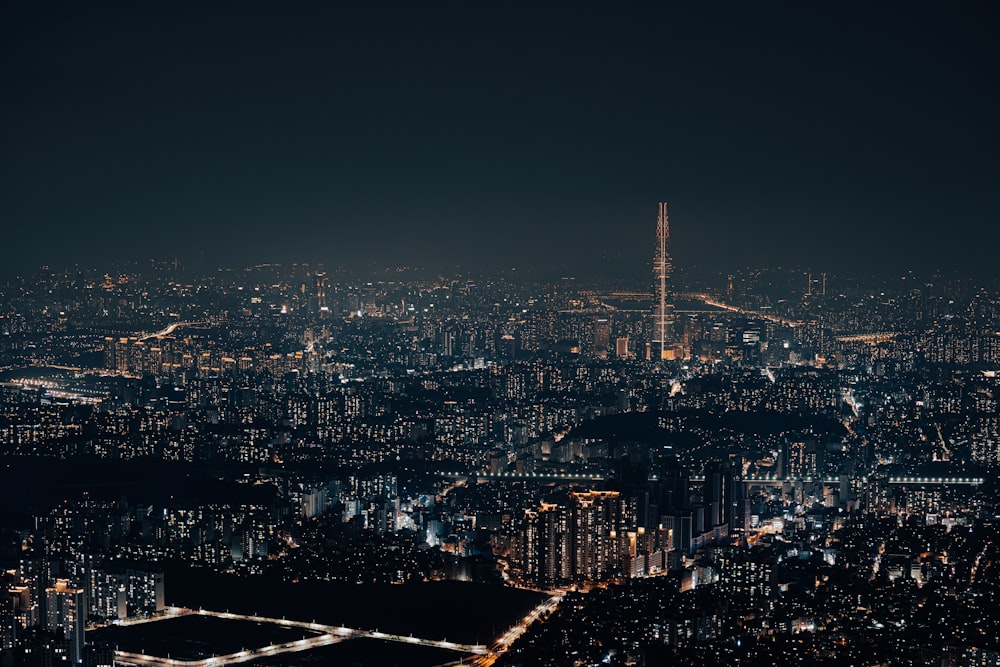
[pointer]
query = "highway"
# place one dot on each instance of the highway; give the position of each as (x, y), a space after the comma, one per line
(141, 659)
(870, 338)
(331, 634)
(708, 299)
(514, 633)
(170, 329)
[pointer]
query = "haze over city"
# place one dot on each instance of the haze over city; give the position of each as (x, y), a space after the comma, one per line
(448, 134)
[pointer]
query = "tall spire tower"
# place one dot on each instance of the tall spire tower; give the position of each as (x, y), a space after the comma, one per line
(663, 308)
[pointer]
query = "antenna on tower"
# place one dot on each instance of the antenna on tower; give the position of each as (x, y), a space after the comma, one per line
(662, 308)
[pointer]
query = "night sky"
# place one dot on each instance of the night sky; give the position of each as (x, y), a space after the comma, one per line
(836, 136)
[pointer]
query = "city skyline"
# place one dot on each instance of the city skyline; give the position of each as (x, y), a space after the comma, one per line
(859, 142)
(814, 461)
(347, 334)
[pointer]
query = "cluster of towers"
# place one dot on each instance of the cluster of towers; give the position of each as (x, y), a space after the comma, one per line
(61, 611)
(593, 538)
(645, 526)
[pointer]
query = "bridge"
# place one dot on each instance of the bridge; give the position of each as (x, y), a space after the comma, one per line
(529, 476)
(603, 297)
(625, 296)
(914, 480)
(169, 329)
(711, 301)
(329, 634)
(969, 481)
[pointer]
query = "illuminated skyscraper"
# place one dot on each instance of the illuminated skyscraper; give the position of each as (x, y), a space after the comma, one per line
(321, 285)
(66, 611)
(596, 521)
(602, 337)
(546, 553)
(663, 308)
(586, 541)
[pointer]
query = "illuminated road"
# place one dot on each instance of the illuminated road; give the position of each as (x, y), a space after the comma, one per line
(331, 635)
(711, 301)
(139, 659)
(170, 329)
(975, 566)
(504, 642)
(870, 338)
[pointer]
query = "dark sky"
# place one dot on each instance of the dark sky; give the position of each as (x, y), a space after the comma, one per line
(831, 135)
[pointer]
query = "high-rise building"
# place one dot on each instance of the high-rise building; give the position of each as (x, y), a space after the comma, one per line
(545, 549)
(66, 611)
(602, 337)
(621, 347)
(321, 285)
(595, 522)
(663, 308)
(587, 541)
(17, 612)
(720, 493)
